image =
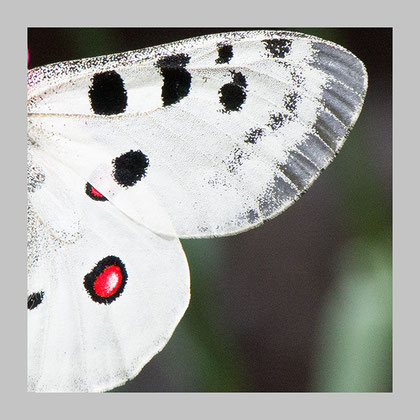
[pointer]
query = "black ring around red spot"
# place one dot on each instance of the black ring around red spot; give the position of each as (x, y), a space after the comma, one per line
(93, 193)
(107, 280)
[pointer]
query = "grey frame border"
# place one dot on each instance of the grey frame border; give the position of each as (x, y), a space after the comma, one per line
(303, 13)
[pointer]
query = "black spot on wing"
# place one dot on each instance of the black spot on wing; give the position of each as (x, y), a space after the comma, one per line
(253, 135)
(173, 61)
(233, 95)
(107, 93)
(130, 168)
(239, 79)
(225, 54)
(277, 120)
(176, 79)
(35, 299)
(290, 101)
(277, 48)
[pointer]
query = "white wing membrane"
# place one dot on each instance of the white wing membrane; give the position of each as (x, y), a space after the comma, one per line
(203, 137)
(74, 342)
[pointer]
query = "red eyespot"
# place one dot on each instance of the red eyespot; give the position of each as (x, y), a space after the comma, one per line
(93, 193)
(107, 280)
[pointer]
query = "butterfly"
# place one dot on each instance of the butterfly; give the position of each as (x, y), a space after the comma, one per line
(127, 153)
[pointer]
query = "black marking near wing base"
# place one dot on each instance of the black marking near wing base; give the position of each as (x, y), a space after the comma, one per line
(130, 168)
(35, 299)
(225, 54)
(107, 93)
(176, 79)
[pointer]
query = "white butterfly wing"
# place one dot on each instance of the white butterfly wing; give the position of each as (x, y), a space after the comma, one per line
(105, 294)
(221, 131)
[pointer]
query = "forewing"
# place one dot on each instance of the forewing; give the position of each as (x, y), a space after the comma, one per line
(222, 131)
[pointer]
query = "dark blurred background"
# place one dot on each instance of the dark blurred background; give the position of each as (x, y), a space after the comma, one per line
(304, 302)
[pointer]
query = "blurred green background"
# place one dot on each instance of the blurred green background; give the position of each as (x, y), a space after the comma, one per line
(304, 302)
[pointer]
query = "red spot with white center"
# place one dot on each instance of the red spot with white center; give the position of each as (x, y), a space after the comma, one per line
(107, 280)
